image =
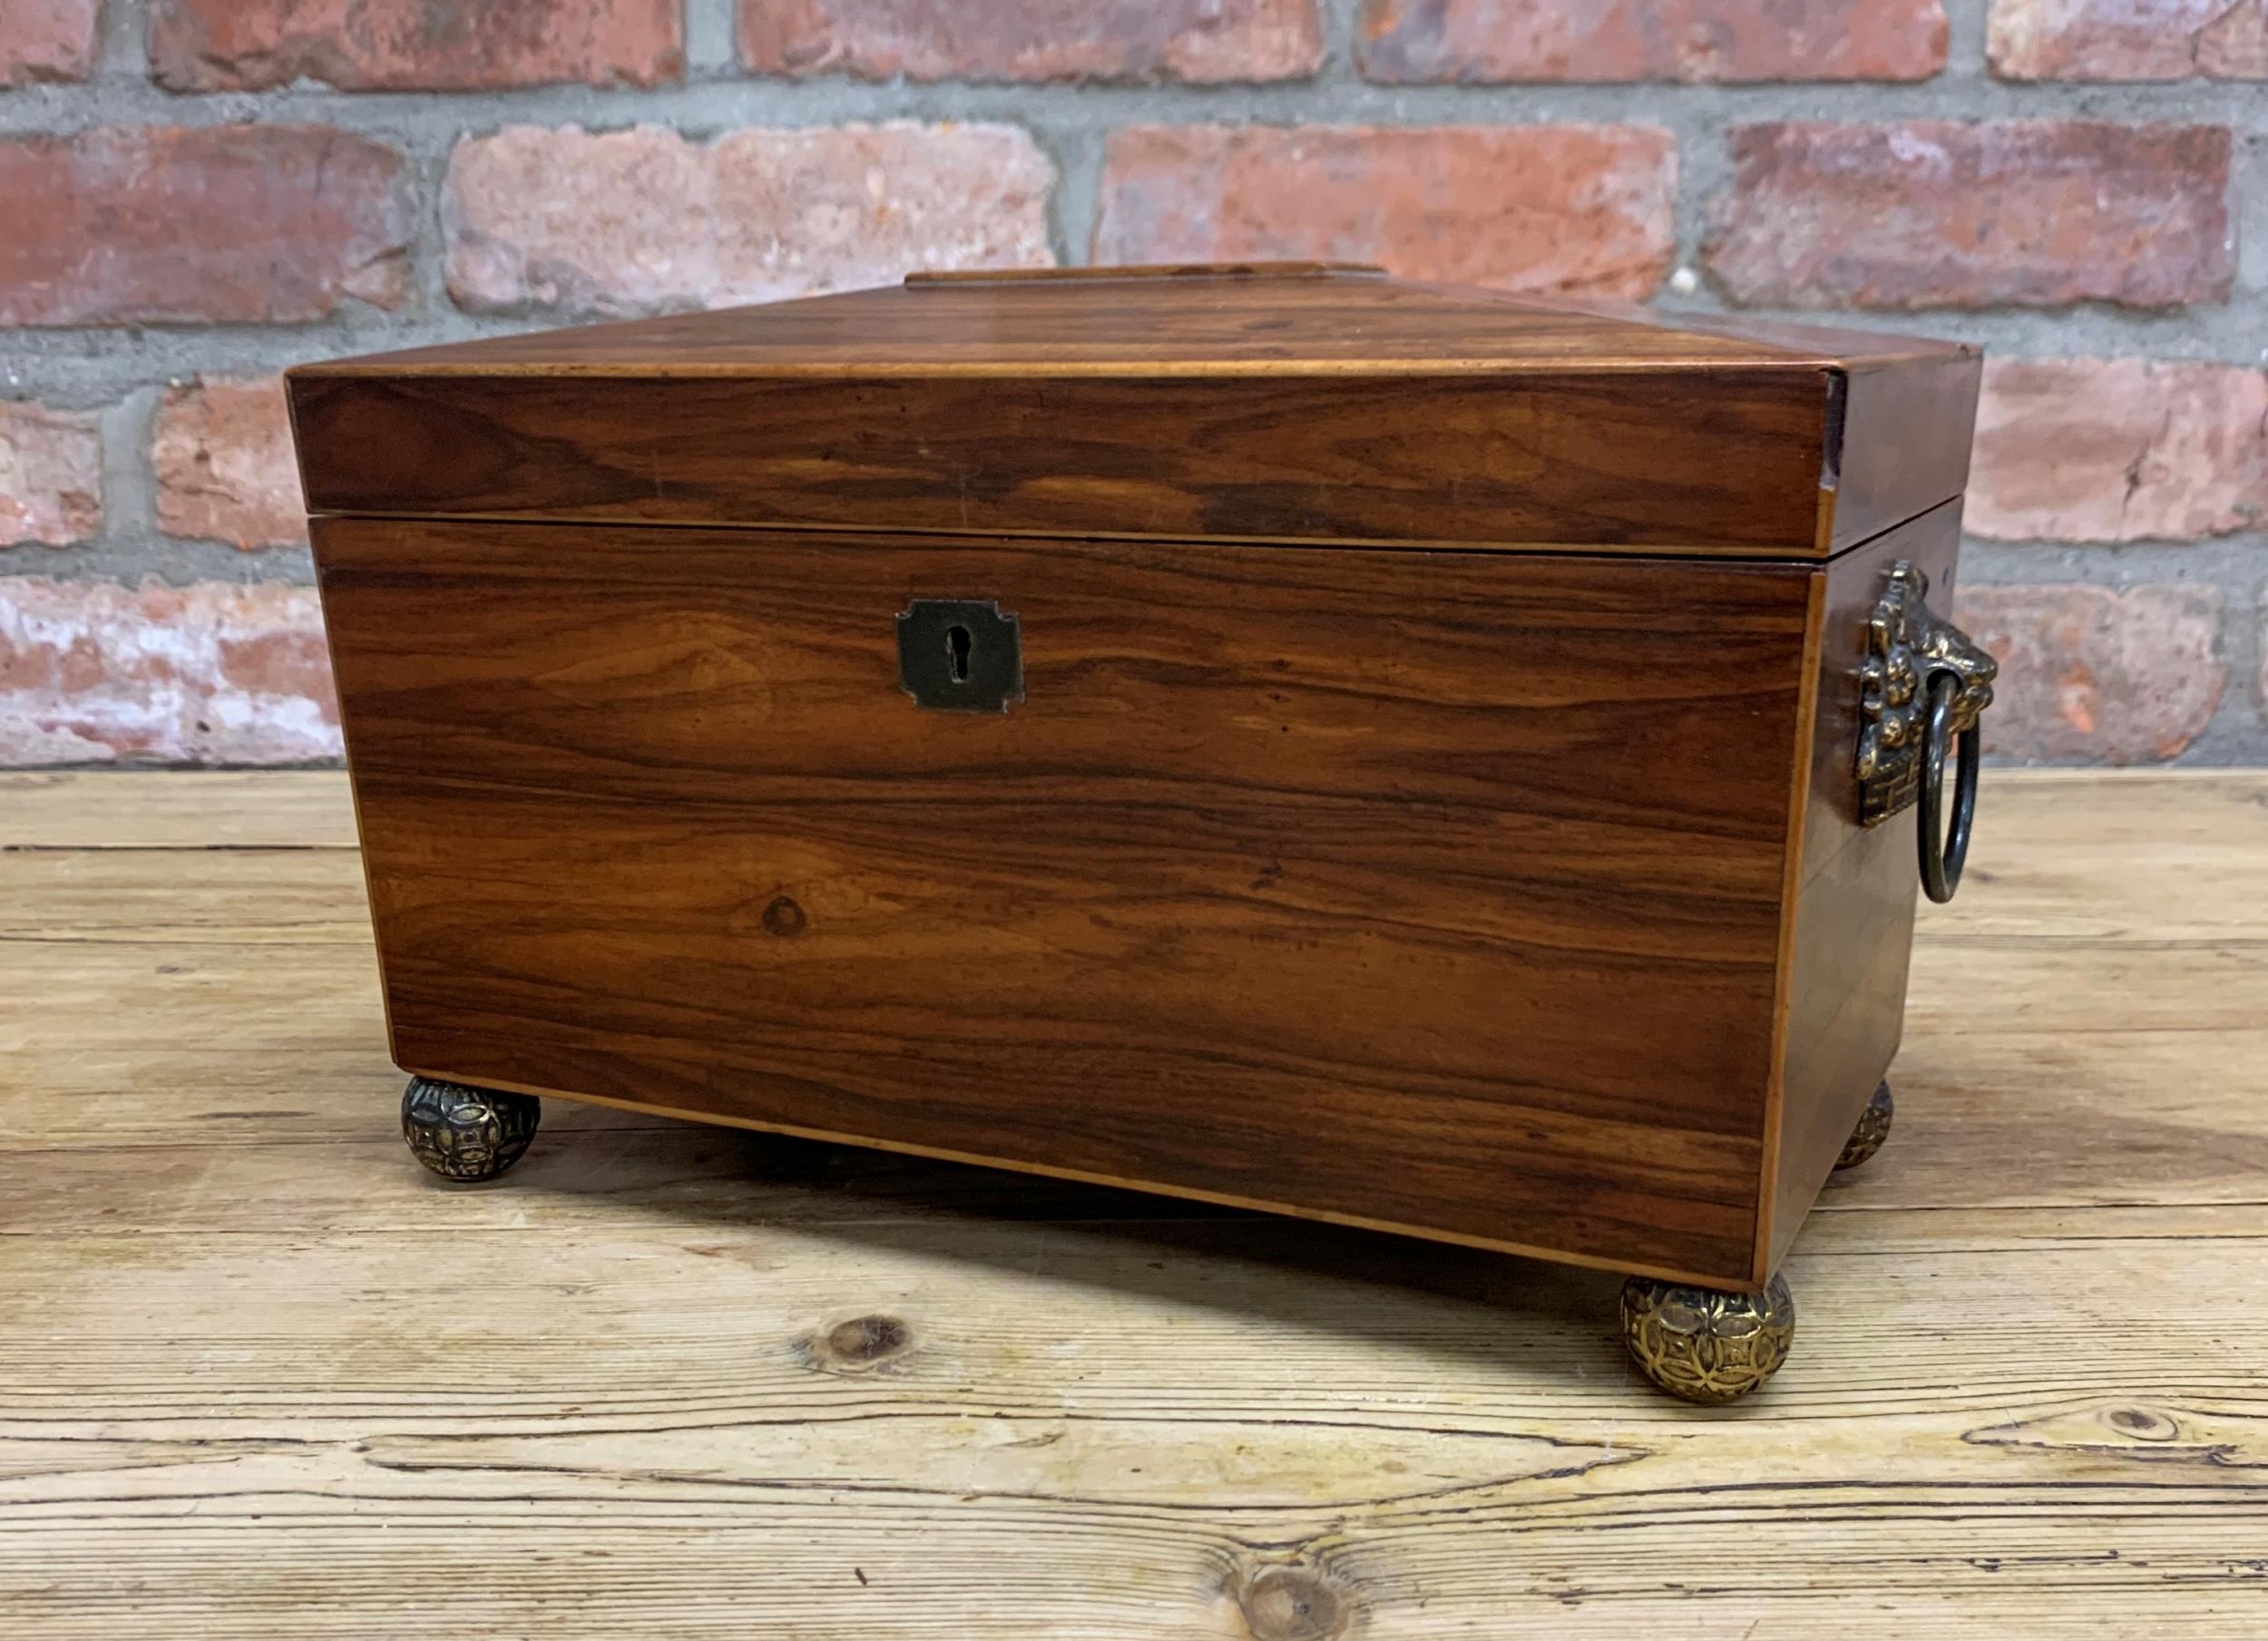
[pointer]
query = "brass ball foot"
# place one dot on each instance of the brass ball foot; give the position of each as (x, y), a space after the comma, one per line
(464, 1133)
(1873, 1130)
(1706, 1345)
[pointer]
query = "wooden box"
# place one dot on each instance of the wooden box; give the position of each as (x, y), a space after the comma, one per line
(1412, 757)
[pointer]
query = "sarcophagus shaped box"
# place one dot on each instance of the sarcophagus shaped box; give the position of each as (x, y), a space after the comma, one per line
(1406, 757)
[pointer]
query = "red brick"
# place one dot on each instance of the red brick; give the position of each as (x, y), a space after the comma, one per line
(44, 40)
(1195, 41)
(2092, 676)
(95, 672)
(1584, 210)
(1935, 214)
(223, 458)
(2128, 39)
(414, 44)
(1494, 41)
(646, 221)
(50, 475)
(2119, 450)
(232, 223)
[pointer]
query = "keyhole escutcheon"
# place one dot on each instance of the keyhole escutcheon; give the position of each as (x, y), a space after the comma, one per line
(960, 655)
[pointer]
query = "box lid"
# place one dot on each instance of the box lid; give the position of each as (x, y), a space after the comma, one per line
(1289, 402)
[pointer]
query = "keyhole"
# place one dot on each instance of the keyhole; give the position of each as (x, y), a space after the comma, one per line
(957, 646)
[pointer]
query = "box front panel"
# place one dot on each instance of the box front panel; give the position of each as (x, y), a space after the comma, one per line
(1438, 890)
(1698, 459)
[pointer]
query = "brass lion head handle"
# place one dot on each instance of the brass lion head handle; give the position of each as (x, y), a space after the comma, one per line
(1925, 685)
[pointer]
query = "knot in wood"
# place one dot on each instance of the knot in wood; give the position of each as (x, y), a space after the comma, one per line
(1292, 1603)
(860, 1343)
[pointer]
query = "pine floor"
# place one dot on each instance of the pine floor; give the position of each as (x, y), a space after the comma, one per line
(259, 1376)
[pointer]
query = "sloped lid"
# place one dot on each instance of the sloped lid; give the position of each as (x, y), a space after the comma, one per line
(1299, 402)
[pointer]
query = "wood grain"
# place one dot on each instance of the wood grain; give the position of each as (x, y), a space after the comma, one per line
(1684, 460)
(47, 887)
(1906, 428)
(664, 1438)
(1850, 923)
(1110, 322)
(1325, 409)
(1299, 880)
(209, 809)
(259, 1377)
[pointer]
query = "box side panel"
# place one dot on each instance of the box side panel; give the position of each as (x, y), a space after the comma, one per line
(1724, 460)
(1439, 891)
(1854, 909)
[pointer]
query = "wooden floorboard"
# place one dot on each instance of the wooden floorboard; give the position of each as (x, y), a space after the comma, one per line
(260, 1377)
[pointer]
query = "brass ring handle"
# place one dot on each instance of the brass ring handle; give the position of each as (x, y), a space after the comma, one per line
(1922, 687)
(1945, 852)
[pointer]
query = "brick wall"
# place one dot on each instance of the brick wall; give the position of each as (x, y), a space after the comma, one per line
(194, 193)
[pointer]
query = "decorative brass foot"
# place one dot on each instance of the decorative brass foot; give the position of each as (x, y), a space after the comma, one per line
(1873, 1130)
(461, 1132)
(1706, 1345)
